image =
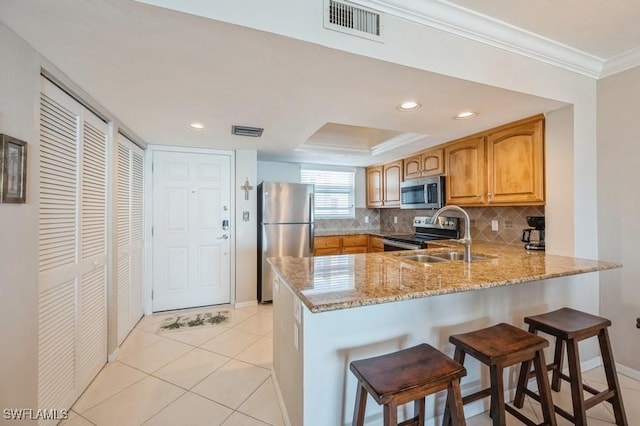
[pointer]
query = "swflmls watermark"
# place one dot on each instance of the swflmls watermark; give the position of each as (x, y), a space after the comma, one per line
(31, 414)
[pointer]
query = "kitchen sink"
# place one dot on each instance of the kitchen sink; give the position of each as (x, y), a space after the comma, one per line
(454, 255)
(423, 258)
(436, 257)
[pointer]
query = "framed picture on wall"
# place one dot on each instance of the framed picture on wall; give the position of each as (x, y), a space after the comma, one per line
(13, 170)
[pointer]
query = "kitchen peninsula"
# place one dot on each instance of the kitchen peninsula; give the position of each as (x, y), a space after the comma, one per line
(329, 311)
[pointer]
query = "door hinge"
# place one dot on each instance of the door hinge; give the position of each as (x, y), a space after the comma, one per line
(152, 231)
(151, 294)
(152, 164)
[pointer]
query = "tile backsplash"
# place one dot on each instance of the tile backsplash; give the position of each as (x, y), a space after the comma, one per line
(511, 221)
(359, 223)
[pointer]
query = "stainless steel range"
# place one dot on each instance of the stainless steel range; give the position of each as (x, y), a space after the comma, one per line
(445, 228)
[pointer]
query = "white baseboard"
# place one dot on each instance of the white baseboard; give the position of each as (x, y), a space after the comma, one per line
(283, 408)
(245, 304)
(112, 357)
(629, 372)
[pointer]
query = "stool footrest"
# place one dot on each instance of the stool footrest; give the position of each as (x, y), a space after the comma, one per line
(598, 398)
(518, 415)
(408, 422)
(476, 396)
(567, 415)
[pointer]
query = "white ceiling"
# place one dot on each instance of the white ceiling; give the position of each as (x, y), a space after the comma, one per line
(602, 28)
(159, 70)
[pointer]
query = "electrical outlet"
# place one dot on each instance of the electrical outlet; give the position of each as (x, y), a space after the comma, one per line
(508, 224)
(637, 322)
(366, 219)
(395, 219)
(494, 225)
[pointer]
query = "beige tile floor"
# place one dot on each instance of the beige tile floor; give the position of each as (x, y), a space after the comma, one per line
(220, 375)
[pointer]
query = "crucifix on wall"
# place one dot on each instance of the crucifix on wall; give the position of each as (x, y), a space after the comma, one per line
(246, 188)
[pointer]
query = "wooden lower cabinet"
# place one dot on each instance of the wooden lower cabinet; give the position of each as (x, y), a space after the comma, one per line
(375, 244)
(355, 244)
(325, 246)
(340, 244)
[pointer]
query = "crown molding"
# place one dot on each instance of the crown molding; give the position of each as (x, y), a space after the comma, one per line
(627, 60)
(454, 19)
(396, 142)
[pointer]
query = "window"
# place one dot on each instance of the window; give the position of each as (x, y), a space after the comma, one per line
(334, 192)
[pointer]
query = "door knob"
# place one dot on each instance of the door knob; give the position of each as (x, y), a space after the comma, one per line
(224, 237)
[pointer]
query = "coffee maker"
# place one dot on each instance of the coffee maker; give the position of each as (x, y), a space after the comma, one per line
(534, 237)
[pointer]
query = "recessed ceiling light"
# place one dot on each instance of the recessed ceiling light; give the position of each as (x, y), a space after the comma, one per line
(409, 106)
(464, 115)
(198, 126)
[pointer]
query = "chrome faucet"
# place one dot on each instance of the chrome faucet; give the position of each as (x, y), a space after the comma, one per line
(466, 239)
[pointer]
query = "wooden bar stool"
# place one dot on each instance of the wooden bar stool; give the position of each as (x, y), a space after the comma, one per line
(569, 327)
(404, 376)
(501, 346)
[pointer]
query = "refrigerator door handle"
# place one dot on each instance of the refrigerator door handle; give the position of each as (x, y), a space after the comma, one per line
(311, 222)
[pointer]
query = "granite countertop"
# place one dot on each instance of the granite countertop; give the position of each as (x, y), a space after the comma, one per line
(327, 283)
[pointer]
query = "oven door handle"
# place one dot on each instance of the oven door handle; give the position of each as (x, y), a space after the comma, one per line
(400, 245)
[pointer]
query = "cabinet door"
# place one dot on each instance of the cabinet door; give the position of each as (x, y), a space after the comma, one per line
(375, 244)
(326, 245)
(465, 163)
(432, 162)
(515, 161)
(353, 242)
(413, 167)
(391, 184)
(374, 187)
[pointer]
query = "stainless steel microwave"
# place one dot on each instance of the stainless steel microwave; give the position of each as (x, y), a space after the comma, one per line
(424, 193)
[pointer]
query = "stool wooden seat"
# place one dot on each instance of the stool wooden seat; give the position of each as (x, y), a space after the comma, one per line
(404, 376)
(501, 346)
(569, 327)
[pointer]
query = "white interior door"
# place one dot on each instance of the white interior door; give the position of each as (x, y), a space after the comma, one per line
(191, 248)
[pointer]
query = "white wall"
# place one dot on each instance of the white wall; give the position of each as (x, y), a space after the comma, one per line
(619, 208)
(246, 232)
(274, 171)
(19, 103)
(559, 181)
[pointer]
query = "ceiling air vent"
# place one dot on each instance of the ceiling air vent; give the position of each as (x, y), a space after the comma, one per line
(354, 20)
(254, 132)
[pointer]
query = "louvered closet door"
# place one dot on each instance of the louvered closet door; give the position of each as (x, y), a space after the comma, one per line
(130, 235)
(72, 248)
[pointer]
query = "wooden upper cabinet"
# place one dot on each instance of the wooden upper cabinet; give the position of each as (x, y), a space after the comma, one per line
(426, 163)
(383, 185)
(515, 160)
(391, 184)
(503, 166)
(374, 187)
(465, 163)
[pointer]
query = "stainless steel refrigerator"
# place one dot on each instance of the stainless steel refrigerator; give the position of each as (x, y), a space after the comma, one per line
(285, 227)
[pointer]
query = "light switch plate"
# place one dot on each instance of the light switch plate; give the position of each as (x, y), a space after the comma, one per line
(494, 225)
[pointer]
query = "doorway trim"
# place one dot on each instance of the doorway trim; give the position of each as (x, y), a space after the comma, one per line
(148, 217)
